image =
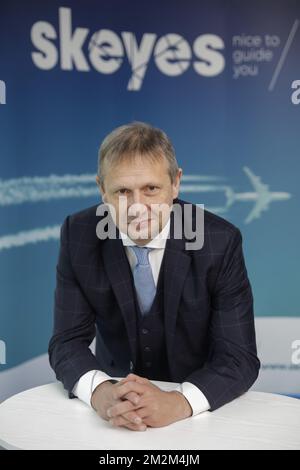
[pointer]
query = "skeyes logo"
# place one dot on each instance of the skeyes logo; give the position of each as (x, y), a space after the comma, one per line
(106, 50)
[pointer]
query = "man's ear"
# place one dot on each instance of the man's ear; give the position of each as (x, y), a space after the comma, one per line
(176, 184)
(101, 188)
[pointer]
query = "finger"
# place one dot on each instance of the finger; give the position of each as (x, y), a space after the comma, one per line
(135, 378)
(133, 397)
(136, 416)
(132, 417)
(127, 411)
(121, 408)
(121, 421)
(132, 376)
(143, 413)
(127, 387)
(134, 427)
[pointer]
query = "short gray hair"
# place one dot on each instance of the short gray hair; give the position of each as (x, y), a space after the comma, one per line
(136, 138)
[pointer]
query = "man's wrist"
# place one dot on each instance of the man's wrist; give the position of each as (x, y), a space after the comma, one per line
(185, 409)
(101, 386)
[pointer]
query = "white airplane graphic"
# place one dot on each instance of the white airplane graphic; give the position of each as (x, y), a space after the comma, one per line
(46, 188)
(261, 196)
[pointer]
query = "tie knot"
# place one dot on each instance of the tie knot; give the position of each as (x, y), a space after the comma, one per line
(141, 253)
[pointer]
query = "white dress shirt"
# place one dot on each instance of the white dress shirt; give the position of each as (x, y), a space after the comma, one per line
(85, 386)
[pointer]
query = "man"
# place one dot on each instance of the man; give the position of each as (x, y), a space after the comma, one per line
(160, 311)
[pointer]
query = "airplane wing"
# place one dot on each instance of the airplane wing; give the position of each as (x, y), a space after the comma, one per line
(262, 191)
(261, 205)
(256, 182)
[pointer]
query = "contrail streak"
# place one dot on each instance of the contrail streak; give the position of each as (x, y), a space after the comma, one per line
(29, 236)
(21, 190)
(35, 189)
(44, 188)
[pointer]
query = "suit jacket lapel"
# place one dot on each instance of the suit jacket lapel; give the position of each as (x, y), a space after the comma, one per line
(119, 273)
(176, 265)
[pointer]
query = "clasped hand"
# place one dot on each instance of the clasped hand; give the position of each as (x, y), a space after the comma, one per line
(136, 403)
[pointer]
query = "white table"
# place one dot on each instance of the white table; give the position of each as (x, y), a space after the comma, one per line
(45, 418)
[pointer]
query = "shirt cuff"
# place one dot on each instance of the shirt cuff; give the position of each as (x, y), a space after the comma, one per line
(87, 383)
(195, 397)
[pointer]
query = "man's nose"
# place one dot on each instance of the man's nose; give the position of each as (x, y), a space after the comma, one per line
(137, 205)
(136, 197)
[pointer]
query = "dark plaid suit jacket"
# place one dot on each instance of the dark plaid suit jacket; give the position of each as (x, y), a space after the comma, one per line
(208, 309)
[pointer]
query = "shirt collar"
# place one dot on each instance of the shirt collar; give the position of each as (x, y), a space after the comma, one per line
(157, 242)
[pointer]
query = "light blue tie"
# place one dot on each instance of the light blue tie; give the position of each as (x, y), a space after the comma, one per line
(143, 279)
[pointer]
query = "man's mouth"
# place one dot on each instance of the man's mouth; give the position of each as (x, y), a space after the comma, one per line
(140, 223)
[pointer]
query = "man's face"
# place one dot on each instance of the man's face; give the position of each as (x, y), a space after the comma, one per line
(142, 194)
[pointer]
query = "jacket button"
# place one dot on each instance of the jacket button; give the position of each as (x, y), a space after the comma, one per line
(147, 349)
(145, 331)
(148, 364)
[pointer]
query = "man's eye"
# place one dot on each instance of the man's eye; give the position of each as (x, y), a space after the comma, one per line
(122, 191)
(152, 188)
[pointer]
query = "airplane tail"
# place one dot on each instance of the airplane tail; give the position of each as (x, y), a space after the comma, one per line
(230, 196)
